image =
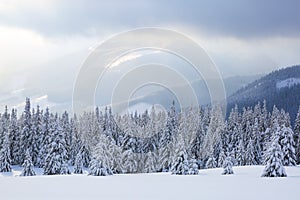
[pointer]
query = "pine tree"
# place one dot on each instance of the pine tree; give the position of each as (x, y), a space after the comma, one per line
(181, 165)
(250, 154)
(86, 156)
(26, 133)
(221, 159)
(288, 146)
(211, 163)
(297, 136)
(36, 127)
(214, 132)
(65, 168)
(274, 167)
(240, 154)
(14, 136)
(76, 139)
(45, 138)
(78, 164)
(97, 168)
(4, 126)
(66, 128)
(56, 160)
(227, 166)
(28, 166)
(5, 160)
(193, 167)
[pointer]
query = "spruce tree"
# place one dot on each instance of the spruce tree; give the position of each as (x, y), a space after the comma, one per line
(181, 165)
(28, 166)
(5, 161)
(193, 167)
(221, 159)
(240, 154)
(45, 138)
(14, 136)
(26, 133)
(211, 163)
(250, 154)
(297, 136)
(97, 168)
(274, 166)
(78, 164)
(56, 160)
(227, 166)
(288, 146)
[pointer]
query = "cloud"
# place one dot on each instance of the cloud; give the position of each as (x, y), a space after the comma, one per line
(239, 18)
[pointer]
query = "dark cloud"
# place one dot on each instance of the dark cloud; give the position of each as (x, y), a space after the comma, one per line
(238, 18)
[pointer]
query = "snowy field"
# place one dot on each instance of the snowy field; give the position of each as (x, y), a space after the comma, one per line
(246, 183)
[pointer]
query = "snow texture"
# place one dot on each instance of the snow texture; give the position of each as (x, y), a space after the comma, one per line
(290, 82)
(245, 183)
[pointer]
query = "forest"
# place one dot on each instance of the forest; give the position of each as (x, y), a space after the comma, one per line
(181, 142)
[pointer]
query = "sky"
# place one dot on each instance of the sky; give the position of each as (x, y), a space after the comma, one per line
(43, 43)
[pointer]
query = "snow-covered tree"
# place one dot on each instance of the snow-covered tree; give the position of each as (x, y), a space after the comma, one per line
(65, 168)
(227, 166)
(181, 165)
(240, 154)
(14, 135)
(78, 167)
(193, 167)
(288, 146)
(56, 160)
(221, 159)
(5, 161)
(297, 136)
(214, 132)
(211, 163)
(274, 166)
(37, 135)
(26, 133)
(250, 154)
(28, 169)
(46, 137)
(97, 168)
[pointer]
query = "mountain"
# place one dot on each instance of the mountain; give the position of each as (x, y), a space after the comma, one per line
(280, 88)
(164, 96)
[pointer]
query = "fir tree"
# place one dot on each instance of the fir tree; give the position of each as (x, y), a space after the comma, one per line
(181, 165)
(240, 157)
(14, 136)
(274, 167)
(211, 163)
(227, 166)
(26, 133)
(221, 159)
(56, 160)
(5, 161)
(97, 168)
(28, 166)
(45, 138)
(288, 146)
(297, 136)
(78, 164)
(193, 167)
(250, 154)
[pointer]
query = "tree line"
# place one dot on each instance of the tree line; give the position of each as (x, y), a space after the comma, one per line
(154, 141)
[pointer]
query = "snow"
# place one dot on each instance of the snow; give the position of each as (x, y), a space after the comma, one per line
(290, 82)
(246, 183)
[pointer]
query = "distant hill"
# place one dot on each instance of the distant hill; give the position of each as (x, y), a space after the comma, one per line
(164, 97)
(280, 88)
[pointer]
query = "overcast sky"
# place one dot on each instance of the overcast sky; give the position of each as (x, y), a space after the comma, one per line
(44, 42)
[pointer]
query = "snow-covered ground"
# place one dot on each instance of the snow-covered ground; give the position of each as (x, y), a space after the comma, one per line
(245, 184)
(288, 83)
